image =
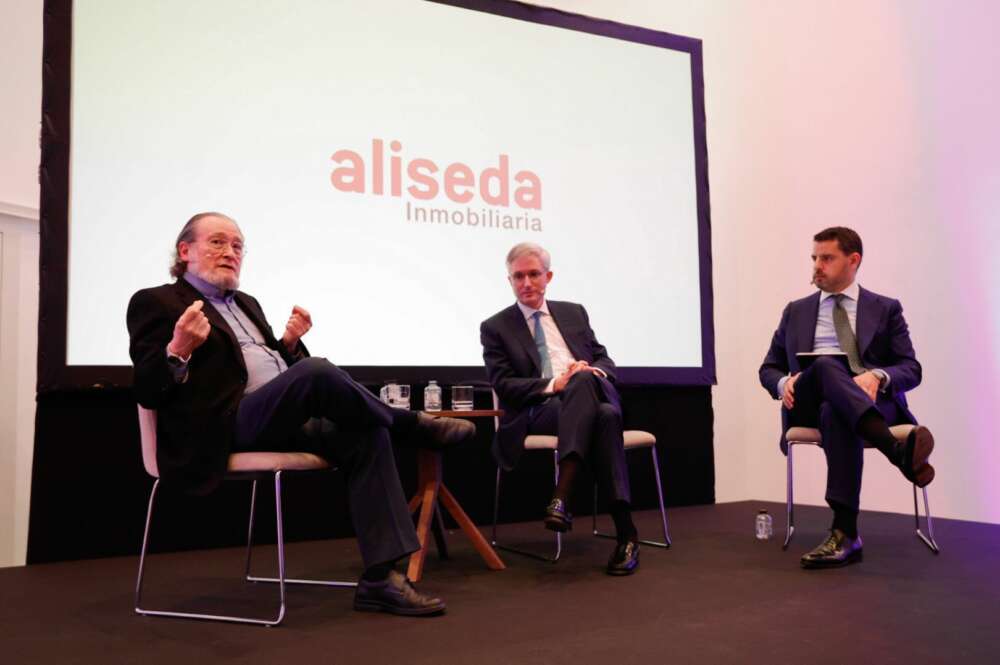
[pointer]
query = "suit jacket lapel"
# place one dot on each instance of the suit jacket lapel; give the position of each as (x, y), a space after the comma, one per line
(804, 326)
(560, 316)
(519, 328)
(250, 308)
(189, 294)
(867, 318)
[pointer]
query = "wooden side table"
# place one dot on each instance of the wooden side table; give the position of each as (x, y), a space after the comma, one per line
(430, 489)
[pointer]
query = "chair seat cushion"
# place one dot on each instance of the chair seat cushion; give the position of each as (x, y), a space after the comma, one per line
(268, 461)
(634, 438)
(812, 435)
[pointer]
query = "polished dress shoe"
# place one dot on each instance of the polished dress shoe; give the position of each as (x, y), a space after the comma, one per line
(625, 559)
(838, 549)
(440, 433)
(557, 517)
(396, 595)
(913, 458)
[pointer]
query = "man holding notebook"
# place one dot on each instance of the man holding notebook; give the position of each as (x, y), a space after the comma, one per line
(841, 361)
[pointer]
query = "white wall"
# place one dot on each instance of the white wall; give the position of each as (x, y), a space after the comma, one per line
(20, 104)
(18, 357)
(878, 115)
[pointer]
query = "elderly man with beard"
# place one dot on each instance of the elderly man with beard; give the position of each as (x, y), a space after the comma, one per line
(206, 359)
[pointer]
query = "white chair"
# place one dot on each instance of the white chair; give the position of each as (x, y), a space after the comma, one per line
(634, 440)
(811, 436)
(241, 466)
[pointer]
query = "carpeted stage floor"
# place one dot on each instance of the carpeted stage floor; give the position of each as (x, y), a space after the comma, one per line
(717, 596)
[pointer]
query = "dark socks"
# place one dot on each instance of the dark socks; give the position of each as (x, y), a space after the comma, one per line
(625, 529)
(845, 519)
(378, 572)
(873, 428)
(569, 467)
(404, 421)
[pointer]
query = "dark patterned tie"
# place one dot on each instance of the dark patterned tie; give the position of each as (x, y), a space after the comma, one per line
(543, 348)
(845, 336)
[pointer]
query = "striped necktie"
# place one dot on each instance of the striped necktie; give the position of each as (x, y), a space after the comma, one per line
(543, 348)
(845, 336)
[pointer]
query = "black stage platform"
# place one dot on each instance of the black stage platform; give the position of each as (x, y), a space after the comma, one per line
(717, 596)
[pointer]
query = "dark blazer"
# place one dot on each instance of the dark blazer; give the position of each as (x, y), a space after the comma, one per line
(515, 369)
(883, 343)
(196, 418)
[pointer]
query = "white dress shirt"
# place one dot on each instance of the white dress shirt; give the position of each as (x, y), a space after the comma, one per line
(559, 354)
(825, 338)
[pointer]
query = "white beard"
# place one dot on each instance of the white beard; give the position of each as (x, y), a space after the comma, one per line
(224, 281)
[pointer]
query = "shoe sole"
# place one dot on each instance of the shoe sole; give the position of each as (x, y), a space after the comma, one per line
(556, 524)
(370, 606)
(622, 573)
(923, 446)
(856, 557)
(924, 475)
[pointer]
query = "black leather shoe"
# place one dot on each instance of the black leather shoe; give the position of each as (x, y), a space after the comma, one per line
(557, 518)
(838, 549)
(625, 559)
(395, 595)
(913, 462)
(440, 433)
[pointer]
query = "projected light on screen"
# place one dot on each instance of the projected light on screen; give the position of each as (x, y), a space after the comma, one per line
(381, 158)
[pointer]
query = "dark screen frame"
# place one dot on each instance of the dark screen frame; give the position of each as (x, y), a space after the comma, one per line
(55, 375)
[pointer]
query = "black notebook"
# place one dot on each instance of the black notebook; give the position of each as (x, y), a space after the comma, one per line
(808, 358)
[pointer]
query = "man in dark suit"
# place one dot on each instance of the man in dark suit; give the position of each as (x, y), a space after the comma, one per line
(553, 377)
(851, 398)
(206, 359)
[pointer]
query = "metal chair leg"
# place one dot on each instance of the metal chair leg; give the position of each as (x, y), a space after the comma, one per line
(665, 544)
(145, 544)
(927, 538)
(281, 579)
(184, 615)
(514, 550)
(789, 500)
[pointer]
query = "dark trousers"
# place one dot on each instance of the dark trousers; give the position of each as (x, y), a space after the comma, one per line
(826, 397)
(317, 407)
(588, 422)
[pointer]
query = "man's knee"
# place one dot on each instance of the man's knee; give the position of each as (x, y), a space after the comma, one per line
(582, 380)
(607, 414)
(317, 369)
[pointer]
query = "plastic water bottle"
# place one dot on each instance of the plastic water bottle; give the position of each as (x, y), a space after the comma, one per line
(432, 397)
(764, 525)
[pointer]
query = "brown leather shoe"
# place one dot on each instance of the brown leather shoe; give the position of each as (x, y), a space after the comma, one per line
(913, 463)
(396, 595)
(838, 549)
(558, 517)
(625, 559)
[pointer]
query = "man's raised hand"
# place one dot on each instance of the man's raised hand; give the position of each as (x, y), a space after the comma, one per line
(190, 331)
(298, 325)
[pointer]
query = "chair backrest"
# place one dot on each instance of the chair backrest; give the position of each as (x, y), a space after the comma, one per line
(147, 437)
(496, 406)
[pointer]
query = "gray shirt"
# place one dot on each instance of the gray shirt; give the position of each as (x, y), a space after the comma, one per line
(263, 363)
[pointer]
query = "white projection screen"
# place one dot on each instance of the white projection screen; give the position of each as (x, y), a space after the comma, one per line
(381, 158)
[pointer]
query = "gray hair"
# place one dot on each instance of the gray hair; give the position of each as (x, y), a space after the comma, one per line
(529, 249)
(187, 234)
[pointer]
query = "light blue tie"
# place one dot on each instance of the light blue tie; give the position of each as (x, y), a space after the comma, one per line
(543, 348)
